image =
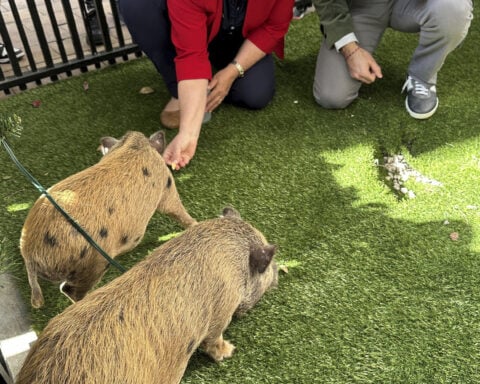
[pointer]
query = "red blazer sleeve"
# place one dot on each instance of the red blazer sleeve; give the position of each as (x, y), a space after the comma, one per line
(266, 24)
(196, 22)
(192, 23)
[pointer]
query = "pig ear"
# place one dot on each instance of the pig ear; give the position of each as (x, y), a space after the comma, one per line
(261, 257)
(230, 212)
(106, 143)
(157, 141)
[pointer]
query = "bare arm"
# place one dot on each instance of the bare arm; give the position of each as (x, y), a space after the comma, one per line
(192, 95)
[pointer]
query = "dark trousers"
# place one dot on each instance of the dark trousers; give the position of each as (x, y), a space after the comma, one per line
(149, 25)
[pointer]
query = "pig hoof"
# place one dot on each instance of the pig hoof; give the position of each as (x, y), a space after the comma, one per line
(221, 350)
(63, 290)
(227, 350)
(37, 302)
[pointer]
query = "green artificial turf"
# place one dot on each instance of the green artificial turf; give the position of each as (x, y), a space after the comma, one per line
(376, 289)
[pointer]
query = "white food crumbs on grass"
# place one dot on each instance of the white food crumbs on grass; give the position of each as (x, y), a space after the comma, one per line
(399, 171)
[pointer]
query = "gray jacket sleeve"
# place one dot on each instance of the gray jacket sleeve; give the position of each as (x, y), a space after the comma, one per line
(335, 19)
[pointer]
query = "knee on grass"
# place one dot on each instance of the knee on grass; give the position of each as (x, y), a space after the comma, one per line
(330, 100)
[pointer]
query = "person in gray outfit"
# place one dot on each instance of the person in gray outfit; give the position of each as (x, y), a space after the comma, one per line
(352, 30)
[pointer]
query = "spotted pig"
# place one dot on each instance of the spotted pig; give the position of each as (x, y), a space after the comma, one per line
(113, 201)
(144, 326)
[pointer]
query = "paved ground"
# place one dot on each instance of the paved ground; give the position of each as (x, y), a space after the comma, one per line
(27, 23)
(15, 332)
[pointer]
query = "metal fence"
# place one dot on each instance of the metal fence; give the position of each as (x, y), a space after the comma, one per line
(55, 36)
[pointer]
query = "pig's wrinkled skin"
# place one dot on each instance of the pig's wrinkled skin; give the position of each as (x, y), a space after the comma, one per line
(143, 326)
(113, 201)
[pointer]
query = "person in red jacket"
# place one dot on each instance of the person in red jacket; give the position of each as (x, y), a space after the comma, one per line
(186, 38)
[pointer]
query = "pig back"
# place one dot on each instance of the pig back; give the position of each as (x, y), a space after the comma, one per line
(112, 200)
(215, 256)
(144, 325)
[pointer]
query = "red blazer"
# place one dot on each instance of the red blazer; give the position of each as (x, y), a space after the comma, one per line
(196, 22)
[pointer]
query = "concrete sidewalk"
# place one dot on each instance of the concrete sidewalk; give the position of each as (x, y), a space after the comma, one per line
(16, 334)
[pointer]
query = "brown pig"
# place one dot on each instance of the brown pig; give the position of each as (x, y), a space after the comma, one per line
(112, 200)
(143, 326)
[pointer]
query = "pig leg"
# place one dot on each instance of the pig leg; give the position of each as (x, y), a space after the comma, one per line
(37, 296)
(215, 346)
(177, 212)
(218, 349)
(171, 205)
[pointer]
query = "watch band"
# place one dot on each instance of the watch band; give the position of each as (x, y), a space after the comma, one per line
(241, 71)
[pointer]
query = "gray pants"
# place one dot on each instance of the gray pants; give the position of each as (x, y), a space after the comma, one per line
(441, 24)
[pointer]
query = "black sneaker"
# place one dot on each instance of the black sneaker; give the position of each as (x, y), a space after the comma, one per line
(4, 59)
(299, 11)
(421, 101)
(94, 25)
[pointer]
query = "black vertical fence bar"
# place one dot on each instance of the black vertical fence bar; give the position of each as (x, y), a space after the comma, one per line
(23, 36)
(2, 76)
(56, 32)
(88, 28)
(85, 17)
(77, 46)
(118, 25)
(56, 62)
(116, 20)
(3, 30)
(9, 46)
(104, 26)
(37, 23)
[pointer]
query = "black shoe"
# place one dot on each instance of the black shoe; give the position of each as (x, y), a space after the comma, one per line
(96, 31)
(422, 100)
(4, 59)
(300, 10)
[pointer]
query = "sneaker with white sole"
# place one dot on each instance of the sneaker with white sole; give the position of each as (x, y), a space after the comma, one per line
(421, 101)
(4, 59)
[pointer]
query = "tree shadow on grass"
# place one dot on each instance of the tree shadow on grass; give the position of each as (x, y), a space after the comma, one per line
(370, 298)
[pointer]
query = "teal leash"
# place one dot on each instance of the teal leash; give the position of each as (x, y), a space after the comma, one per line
(43, 191)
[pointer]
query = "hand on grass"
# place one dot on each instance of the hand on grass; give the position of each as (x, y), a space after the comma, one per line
(219, 87)
(361, 64)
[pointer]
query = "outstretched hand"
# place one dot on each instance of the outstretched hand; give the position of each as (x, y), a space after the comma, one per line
(180, 150)
(362, 66)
